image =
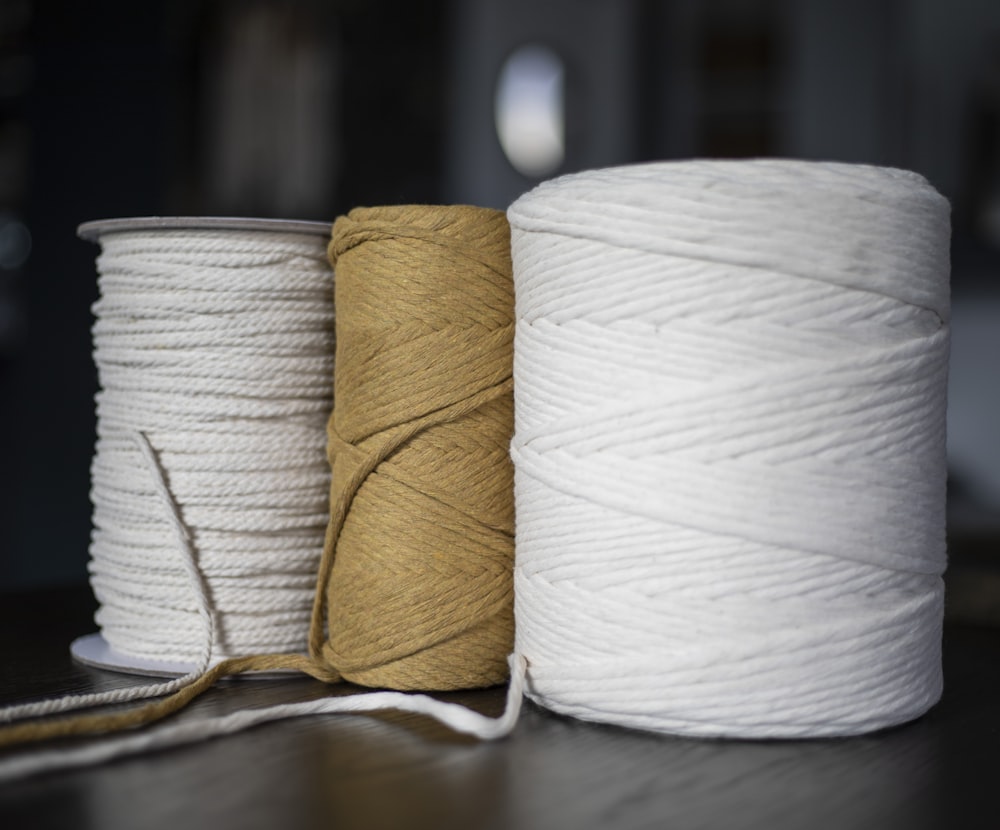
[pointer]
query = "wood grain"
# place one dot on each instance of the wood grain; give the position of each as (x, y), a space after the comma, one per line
(394, 770)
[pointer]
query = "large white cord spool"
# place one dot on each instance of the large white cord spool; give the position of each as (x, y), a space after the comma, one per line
(213, 341)
(729, 446)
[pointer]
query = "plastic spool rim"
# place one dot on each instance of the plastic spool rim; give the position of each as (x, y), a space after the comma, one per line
(93, 231)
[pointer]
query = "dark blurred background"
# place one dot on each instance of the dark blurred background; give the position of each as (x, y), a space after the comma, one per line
(306, 108)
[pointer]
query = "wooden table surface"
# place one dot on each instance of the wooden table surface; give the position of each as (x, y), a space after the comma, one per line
(394, 770)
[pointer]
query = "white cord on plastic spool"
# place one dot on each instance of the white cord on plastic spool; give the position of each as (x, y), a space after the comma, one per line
(216, 343)
(214, 347)
(730, 447)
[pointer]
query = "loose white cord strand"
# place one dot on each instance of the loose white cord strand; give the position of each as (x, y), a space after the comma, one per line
(729, 446)
(122, 579)
(195, 584)
(454, 716)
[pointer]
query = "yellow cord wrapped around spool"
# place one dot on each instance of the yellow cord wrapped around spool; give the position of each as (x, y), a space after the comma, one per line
(416, 573)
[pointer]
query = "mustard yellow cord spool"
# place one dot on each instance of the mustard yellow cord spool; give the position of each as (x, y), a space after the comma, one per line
(416, 574)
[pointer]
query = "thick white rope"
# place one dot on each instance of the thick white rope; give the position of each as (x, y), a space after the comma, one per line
(729, 446)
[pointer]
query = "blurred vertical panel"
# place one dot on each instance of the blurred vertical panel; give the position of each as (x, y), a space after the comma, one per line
(262, 94)
(669, 83)
(949, 47)
(711, 78)
(16, 69)
(739, 57)
(270, 137)
(393, 103)
(96, 113)
(843, 87)
(306, 108)
(595, 40)
(981, 171)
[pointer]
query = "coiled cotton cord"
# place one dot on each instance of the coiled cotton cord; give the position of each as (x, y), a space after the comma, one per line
(218, 346)
(729, 446)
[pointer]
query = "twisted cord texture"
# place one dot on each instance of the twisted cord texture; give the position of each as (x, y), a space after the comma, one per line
(729, 446)
(416, 576)
(216, 347)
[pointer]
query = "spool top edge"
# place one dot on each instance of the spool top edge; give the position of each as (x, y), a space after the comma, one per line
(92, 231)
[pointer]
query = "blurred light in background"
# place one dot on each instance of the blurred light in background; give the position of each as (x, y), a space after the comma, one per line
(538, 89)
(531, 123)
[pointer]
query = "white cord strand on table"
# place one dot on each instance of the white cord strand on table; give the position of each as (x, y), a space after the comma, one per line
(729, 446)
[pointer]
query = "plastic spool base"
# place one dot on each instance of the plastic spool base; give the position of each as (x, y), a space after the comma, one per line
(94, 651)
